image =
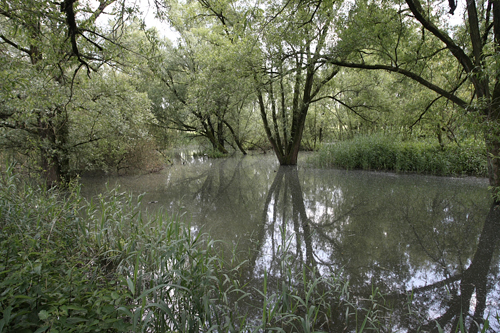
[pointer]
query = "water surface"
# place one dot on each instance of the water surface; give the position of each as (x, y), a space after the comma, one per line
(434, 238)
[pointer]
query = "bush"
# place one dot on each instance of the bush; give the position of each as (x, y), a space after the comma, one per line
(378, 152)
(210, 153)
(48, 280)
(67, 265)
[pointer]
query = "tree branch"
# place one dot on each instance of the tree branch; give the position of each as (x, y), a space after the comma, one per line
(417, 10)
(455, 99)
(16, 46)
(350, 108)
(425, 111)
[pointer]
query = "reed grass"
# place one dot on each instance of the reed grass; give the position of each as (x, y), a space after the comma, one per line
(389, 153)
(68, 265)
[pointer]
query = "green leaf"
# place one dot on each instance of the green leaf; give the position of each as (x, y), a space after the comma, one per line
(126, 311)
(131, 286)
(76, 308)
(2, 324)
(23, 297)
(42, 329)
(76, 320)
(43, 315)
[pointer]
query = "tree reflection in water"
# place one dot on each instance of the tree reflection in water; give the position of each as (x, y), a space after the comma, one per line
(478, 278)
(430, 239)
(425, 246)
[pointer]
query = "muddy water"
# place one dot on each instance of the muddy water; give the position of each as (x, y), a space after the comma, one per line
(436, 237)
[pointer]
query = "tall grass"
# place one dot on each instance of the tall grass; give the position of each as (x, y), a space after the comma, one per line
(48, 279)
(67, 265)
(378, 152)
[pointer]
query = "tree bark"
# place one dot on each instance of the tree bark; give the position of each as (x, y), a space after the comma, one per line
(493, 141)
(54, 159)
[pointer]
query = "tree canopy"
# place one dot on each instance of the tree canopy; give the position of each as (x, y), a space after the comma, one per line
(49, 51)
(239, 73)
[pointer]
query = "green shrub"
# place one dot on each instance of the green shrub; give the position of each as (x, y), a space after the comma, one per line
(67, 265)
(48, 280)
(388, 153)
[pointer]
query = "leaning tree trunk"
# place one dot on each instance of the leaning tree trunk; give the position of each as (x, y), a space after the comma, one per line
(235, 138)
(210, 134)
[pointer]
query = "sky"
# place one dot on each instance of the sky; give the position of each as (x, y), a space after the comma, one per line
(148, 10)
(164, 28)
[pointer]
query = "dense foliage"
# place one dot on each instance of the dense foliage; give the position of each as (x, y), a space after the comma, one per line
(74, 266)
(88, 86)
(52, 276)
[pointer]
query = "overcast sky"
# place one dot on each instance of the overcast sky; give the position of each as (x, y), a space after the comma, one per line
(149, 17)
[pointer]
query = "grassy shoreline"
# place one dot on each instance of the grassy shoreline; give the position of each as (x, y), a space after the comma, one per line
(386, 153)
(69, 265)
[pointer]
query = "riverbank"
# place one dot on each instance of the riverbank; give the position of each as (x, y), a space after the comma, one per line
(72, 265)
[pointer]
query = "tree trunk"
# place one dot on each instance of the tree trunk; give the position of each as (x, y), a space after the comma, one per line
(220, 132)
(54, 159)
(493, 142)
(235, 137)
(210, 134)
(493, 151)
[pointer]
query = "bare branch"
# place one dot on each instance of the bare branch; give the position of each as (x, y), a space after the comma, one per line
(350, 108)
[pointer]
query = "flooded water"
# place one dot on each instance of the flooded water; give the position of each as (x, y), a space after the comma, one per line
(432, 239)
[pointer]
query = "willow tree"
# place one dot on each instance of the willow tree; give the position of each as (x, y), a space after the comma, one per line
(292, 71)
(283, 46)
(44, 46)
(471, 54)
(197, 90)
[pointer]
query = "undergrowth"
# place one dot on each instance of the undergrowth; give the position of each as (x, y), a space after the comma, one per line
(387, 153)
